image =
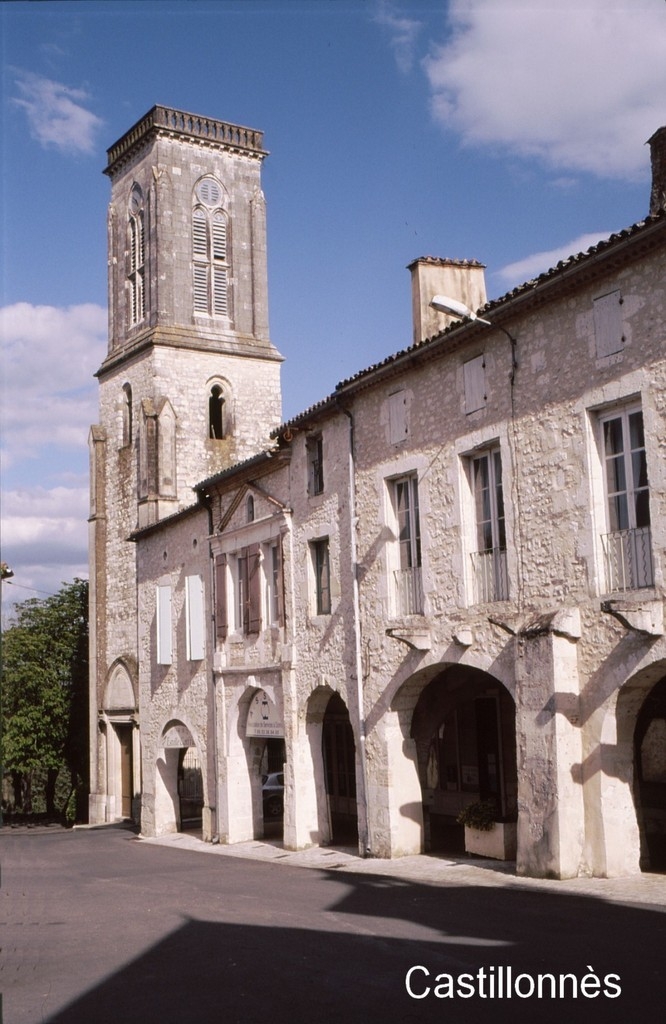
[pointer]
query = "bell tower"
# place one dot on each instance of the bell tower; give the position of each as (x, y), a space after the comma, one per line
(190, 383)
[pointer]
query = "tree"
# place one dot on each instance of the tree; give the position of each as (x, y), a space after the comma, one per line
(45, 695)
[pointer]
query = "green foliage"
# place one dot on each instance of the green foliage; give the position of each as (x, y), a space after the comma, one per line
(44, 713)
(481, 815)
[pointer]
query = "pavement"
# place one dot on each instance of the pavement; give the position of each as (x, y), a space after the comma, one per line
(645, 888)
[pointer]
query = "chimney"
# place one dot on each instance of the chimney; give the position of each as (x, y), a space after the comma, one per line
(459, 279)
(657, 146)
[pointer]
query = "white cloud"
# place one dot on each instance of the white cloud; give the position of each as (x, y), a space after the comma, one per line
(44, 539)
(524, 270)
(403, 34)
(49, 394)
(580, 84)
(56, 114)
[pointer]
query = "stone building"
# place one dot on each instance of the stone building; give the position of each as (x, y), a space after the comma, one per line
(442, 584)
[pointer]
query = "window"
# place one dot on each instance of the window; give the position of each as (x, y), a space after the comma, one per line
(217, 426)
(247, 612)
(127, 415)
(164, 625)
(194, 614)
(628, 543)
(489, 559)
(210, 251)
(322, 575)
(273, 583)
(315, 458)
(136, 257)
(407, 576)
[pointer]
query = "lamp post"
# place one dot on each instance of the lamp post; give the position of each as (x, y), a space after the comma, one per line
(5, 574)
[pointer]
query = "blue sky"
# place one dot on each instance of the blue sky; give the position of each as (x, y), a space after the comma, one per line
(508, 131)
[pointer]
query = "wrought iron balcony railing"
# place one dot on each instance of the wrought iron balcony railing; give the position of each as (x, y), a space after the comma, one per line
(628, 556)
(490, 575)
(408, 591)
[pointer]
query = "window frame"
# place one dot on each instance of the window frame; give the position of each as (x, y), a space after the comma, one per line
(211, 263)
(320, 555)
(489, 554)
(627, 538)
(407, 562)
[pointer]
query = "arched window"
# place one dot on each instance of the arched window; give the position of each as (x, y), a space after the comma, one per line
(217, 427)
(210, 257)
(250, 508)
(127, 414)
(136, 269)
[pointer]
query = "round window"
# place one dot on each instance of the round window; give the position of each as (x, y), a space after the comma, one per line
(209, 192)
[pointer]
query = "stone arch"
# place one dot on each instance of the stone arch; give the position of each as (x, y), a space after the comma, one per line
(415, 793)
(176, 738)
(219, 409)
(119, 689)
(241, 801)
(328, 805)
(118, 743)
(620, 825)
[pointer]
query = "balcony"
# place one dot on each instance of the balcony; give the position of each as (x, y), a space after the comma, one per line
(628, 557)
(491, 577)
(408, 591)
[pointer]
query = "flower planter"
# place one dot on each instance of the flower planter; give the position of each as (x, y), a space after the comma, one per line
(498, 843)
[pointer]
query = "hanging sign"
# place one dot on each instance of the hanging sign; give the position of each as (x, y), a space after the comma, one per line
(263, 718)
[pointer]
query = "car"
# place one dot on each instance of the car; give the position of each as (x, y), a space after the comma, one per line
(272, 790)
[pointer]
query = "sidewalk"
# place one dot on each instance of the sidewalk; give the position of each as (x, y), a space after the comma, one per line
(427, 870)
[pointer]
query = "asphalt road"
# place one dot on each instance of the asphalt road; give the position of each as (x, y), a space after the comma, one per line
(99, 928)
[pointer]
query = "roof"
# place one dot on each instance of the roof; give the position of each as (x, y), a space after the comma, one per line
(567, 274)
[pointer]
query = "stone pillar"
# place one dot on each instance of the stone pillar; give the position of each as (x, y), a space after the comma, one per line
(549, 749)
(395, 802)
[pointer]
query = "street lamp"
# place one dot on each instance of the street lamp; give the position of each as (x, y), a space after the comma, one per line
(453, 307)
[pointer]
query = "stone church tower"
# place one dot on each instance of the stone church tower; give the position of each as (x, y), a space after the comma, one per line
(190, 384)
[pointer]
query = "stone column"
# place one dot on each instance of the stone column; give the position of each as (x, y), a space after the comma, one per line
(395, 802)
(549, 748)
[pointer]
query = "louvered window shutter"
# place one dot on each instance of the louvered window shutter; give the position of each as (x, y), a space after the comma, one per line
(199, 235)
(254, 589)
(220, 291)
(219, 237)
(200, 288)
(221, 624)
(279, 583)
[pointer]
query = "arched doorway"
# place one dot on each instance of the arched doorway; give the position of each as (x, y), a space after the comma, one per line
(179, 784)
(650, 777)
(339, 754)
(190, 788)
(465, 734)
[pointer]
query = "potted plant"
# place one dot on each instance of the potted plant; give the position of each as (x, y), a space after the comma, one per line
(484, 834)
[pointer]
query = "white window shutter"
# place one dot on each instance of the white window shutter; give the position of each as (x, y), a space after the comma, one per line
(398, 422)
(608, 324)
(474, 374)
(194, 601)
(164, 626)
